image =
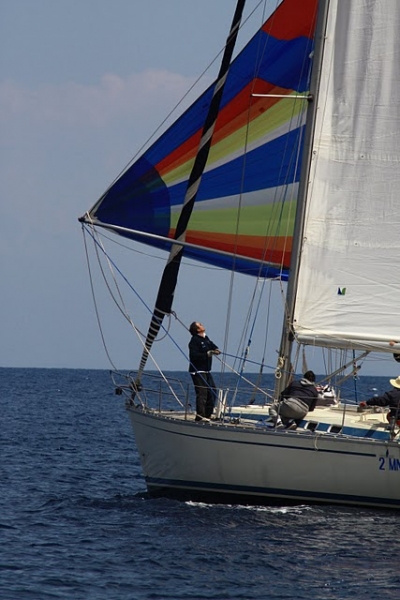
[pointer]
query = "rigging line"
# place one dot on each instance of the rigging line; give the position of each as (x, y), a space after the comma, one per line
(119, 271)
(257, 310)
(245, 147)
(130, 286)
(84, 228)
(266, 336)
(245, 354)
(293, 152)
(301, 207)
(160, 371)
(233, 273)
(156, 131)
(245, 350)
(164, 378)
(299, 118)
(252, 362)
(243, 378)
(94, 300)
(193, 264)
(173, 110)
(267, 322)
(121, 307)
(259, 53)
(111, 262)
(173, 313)
(240, 377)
(265, 259)
(137, 331)
(232, 277)
(258, 307)
(169, 278)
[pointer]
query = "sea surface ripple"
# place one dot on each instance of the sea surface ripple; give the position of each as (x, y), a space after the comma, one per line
(76, 523)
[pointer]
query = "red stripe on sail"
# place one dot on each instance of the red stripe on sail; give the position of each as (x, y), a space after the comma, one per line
(270, 249)
(293, 18)
(232, 117)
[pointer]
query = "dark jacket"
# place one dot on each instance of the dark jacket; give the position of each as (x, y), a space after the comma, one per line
(390, 398)
(198, 348)
(303, 390)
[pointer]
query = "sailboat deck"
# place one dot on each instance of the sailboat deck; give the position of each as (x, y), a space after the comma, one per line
(342, 420)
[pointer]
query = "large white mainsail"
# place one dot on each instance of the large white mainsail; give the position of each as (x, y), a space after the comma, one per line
(349, 285)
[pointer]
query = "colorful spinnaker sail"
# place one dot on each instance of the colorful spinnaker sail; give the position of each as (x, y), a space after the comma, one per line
(244, 212)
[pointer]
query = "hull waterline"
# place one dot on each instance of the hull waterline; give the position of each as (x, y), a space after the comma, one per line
(255, 465)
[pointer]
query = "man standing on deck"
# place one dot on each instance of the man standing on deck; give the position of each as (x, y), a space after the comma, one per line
(201, 349)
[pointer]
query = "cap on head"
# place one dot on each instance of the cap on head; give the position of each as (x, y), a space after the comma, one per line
(395, 382)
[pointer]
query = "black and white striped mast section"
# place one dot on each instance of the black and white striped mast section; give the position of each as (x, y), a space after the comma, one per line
(169, 278)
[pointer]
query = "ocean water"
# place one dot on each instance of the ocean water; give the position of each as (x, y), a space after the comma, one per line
(76, 523)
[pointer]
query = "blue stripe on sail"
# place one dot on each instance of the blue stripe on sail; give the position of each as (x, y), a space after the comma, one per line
(237, 264)
(138, 200)
(263, 170)
(283, 66)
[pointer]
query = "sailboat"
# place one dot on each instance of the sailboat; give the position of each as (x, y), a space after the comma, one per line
(284, 172)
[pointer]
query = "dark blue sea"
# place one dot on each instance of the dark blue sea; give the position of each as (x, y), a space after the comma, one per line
(76, 523)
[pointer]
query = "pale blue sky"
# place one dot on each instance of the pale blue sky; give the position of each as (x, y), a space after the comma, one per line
(83, 84)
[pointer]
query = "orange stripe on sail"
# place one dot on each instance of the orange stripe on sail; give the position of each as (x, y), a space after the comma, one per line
(292, 19)
(270, 249)
(232, 117)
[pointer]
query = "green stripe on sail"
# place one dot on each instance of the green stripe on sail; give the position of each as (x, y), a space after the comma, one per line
(261, 127)
(273, 219)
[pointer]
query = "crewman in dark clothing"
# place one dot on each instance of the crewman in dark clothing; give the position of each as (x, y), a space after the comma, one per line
(297, 400)
(390, 398)
(201, 350)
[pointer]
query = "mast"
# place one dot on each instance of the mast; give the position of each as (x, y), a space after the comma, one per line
(282, 372)
(169, 278)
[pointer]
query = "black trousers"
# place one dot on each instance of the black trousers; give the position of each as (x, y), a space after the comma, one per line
(206, 394)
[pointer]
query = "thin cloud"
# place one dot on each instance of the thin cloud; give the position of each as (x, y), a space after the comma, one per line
(75, 104)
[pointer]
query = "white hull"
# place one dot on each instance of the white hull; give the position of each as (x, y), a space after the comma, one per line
(253, 464)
